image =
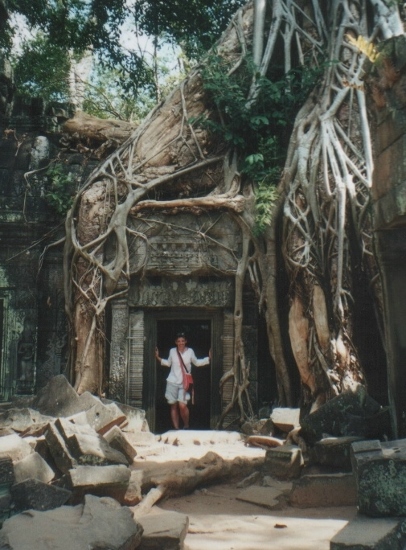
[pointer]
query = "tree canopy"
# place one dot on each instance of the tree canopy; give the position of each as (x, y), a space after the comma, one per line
(69, 29)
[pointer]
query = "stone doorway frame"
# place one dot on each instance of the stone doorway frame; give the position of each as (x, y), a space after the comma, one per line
(151, 317)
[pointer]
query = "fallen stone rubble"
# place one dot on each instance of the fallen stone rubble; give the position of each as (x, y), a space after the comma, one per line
(68, 464)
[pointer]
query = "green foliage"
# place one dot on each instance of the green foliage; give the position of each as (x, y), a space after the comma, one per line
(97, 25)
(259, 130)
(42, 69)
(60, 189)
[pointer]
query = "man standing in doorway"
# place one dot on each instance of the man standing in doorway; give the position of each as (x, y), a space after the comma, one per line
(176, 396)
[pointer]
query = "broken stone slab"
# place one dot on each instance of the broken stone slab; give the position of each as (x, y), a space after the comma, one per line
(6, 471)
(87, 446)
(364, 533)
(117, 440)
(136, 420)
(98, 523)
(348, 414)
(91, 450)
(33, 466)
(380, 473)
(58, 398)
(268, 497)
(57, 447)
(285, 462)
(33, 494)
(14, 447)
(133, 494)
(252, 479)
(163, 530)
(111, 481)
(334, 452)
(100, 417)
(324, 490)
(23, 420)
(264, 426)
(285, 418)
(41, 447)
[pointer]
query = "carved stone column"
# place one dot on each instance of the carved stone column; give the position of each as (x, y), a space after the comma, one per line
(118, 351)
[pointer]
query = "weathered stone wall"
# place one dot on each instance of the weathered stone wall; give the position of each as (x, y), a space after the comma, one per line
(31, 289)
(386, 81)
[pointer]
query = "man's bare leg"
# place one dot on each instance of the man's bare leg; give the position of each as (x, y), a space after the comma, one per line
(175, 416)
(184, 413)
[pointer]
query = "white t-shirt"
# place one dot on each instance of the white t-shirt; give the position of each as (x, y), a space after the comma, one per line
(189, 358)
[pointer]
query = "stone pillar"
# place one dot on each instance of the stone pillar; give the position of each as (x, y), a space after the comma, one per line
(388, 101)
(118, 351)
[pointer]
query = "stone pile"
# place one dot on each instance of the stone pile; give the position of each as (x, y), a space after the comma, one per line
(65, 474)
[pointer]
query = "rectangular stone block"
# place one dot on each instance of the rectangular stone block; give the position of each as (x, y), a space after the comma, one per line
(324, 490)
(285, 418)
(380, 473)
(32, 494)
(33, 466)
(284, 462)
(363, 533)
(117, 440)
(334, 452)
(109, 481)
(58, 449)
(163, 531)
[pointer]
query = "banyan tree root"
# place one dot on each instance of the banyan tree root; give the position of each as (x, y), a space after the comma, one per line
(321, 222)
(197, 472)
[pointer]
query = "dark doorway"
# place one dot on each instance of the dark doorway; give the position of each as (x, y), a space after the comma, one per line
(198, 334)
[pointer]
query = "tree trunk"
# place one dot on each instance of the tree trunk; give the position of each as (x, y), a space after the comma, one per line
(324, 197)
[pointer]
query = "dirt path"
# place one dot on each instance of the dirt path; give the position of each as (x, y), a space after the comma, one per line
(218, 520)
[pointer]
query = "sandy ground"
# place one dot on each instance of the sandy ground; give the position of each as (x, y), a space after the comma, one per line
(218, 520)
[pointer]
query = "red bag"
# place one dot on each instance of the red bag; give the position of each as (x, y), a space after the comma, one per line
(187, 378)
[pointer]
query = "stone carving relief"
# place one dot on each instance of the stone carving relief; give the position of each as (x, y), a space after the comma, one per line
(183, 291)
(185, 244)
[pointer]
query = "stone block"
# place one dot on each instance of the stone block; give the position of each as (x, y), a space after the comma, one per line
(21, 420)
(324, 490)
(117, 440)
(6, 471)
(57, 398)
(348, 414)
(111, 481)
(334, 452)
(14, 447)
(103, 417)
(87, 446)
(363, 533)
(380, 473)
(41, 447)
(98, 523)
(135, 417)
(32, 494)
(268, 497)
(285, 418)
(33, 466)
(285, 462)
(133, 495)
(88, 449)
(164, 530)
(59, 450)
